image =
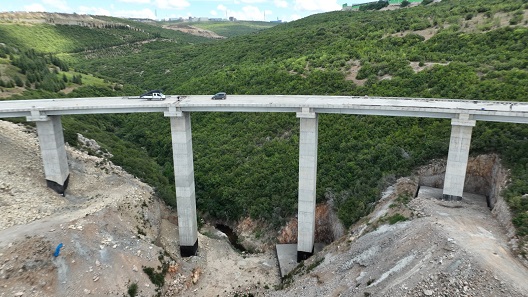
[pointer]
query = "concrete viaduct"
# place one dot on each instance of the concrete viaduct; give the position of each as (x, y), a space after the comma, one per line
(47, 114)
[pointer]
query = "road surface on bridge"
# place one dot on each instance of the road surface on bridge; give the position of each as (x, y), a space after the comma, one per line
(500, 111)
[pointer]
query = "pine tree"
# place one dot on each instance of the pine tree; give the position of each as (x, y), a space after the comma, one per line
(18, 81)
(77, 79)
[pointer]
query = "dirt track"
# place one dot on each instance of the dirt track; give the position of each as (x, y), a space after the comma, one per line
(108, 222)
(447, 249)
(111, 227)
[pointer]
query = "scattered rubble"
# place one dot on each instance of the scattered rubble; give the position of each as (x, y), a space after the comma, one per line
(444, 248)
(434, 248)
(97, 221)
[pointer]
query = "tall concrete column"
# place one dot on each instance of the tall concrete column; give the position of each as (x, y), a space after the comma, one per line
(457, 157)
(184, 179)
(307, 183)
(53, 151)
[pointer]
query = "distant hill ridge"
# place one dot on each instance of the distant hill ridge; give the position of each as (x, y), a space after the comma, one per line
(55, 19)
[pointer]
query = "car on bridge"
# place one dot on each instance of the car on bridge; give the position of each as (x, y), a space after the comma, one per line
(154, 94)
(219, 96)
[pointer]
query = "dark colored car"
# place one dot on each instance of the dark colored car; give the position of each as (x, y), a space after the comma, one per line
(219, 96)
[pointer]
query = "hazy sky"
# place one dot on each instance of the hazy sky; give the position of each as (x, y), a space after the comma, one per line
(256, 10)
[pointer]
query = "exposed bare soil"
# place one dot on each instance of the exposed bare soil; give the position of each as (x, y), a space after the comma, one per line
(112, 227)
(194, 31)
(355, 66)
(444, 249)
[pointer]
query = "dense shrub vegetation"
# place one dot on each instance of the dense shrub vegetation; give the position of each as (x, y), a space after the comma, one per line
(36, 70)
(246, 164)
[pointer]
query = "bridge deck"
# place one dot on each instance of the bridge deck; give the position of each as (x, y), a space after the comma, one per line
(499, 111)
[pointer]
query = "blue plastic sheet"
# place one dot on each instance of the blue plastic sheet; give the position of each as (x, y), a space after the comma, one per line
(57, 250)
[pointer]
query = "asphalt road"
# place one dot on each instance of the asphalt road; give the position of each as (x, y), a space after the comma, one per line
(500, 111)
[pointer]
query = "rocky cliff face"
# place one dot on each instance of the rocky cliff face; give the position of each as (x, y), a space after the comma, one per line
(484, 176)
(327, 226)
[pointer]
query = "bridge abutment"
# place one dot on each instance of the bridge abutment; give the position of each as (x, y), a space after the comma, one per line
(308, 137)
(53, 151)
(457, 157)
(182, 153)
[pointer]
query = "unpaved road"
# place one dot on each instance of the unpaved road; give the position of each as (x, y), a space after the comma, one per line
(108, 222)
(447, 249)
(112, 227)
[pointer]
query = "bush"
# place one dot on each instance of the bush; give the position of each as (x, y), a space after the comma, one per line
(157, 278)
(18, 81)
(70, 137)
(521, 222)
(132, 290)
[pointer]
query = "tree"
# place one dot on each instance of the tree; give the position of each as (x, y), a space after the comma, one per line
(18, 81)
(77, 79)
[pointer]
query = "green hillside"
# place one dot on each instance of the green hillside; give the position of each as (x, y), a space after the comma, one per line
(58, 38)
(231, 29)
(246, 164)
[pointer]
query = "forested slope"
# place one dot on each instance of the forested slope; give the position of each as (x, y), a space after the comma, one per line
(246, 164)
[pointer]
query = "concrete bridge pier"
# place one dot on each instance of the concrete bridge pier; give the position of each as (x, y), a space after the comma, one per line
(457, 157)
(307, 183)
(184, 180)
(53, 151)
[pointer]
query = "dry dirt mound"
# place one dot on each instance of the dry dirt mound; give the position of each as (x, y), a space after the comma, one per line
(97, 222)
(446, 249)
(111, 227)
(194, 31)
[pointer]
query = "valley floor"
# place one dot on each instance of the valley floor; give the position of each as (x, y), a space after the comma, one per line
(112, 227)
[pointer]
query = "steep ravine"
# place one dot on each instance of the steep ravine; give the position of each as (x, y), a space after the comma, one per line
(112, 227)
(485, 176)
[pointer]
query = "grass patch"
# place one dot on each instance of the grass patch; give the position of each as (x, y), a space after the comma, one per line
(404, 198)
(395, 218)
(42, 37)
(314, 264)
(90, 80)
